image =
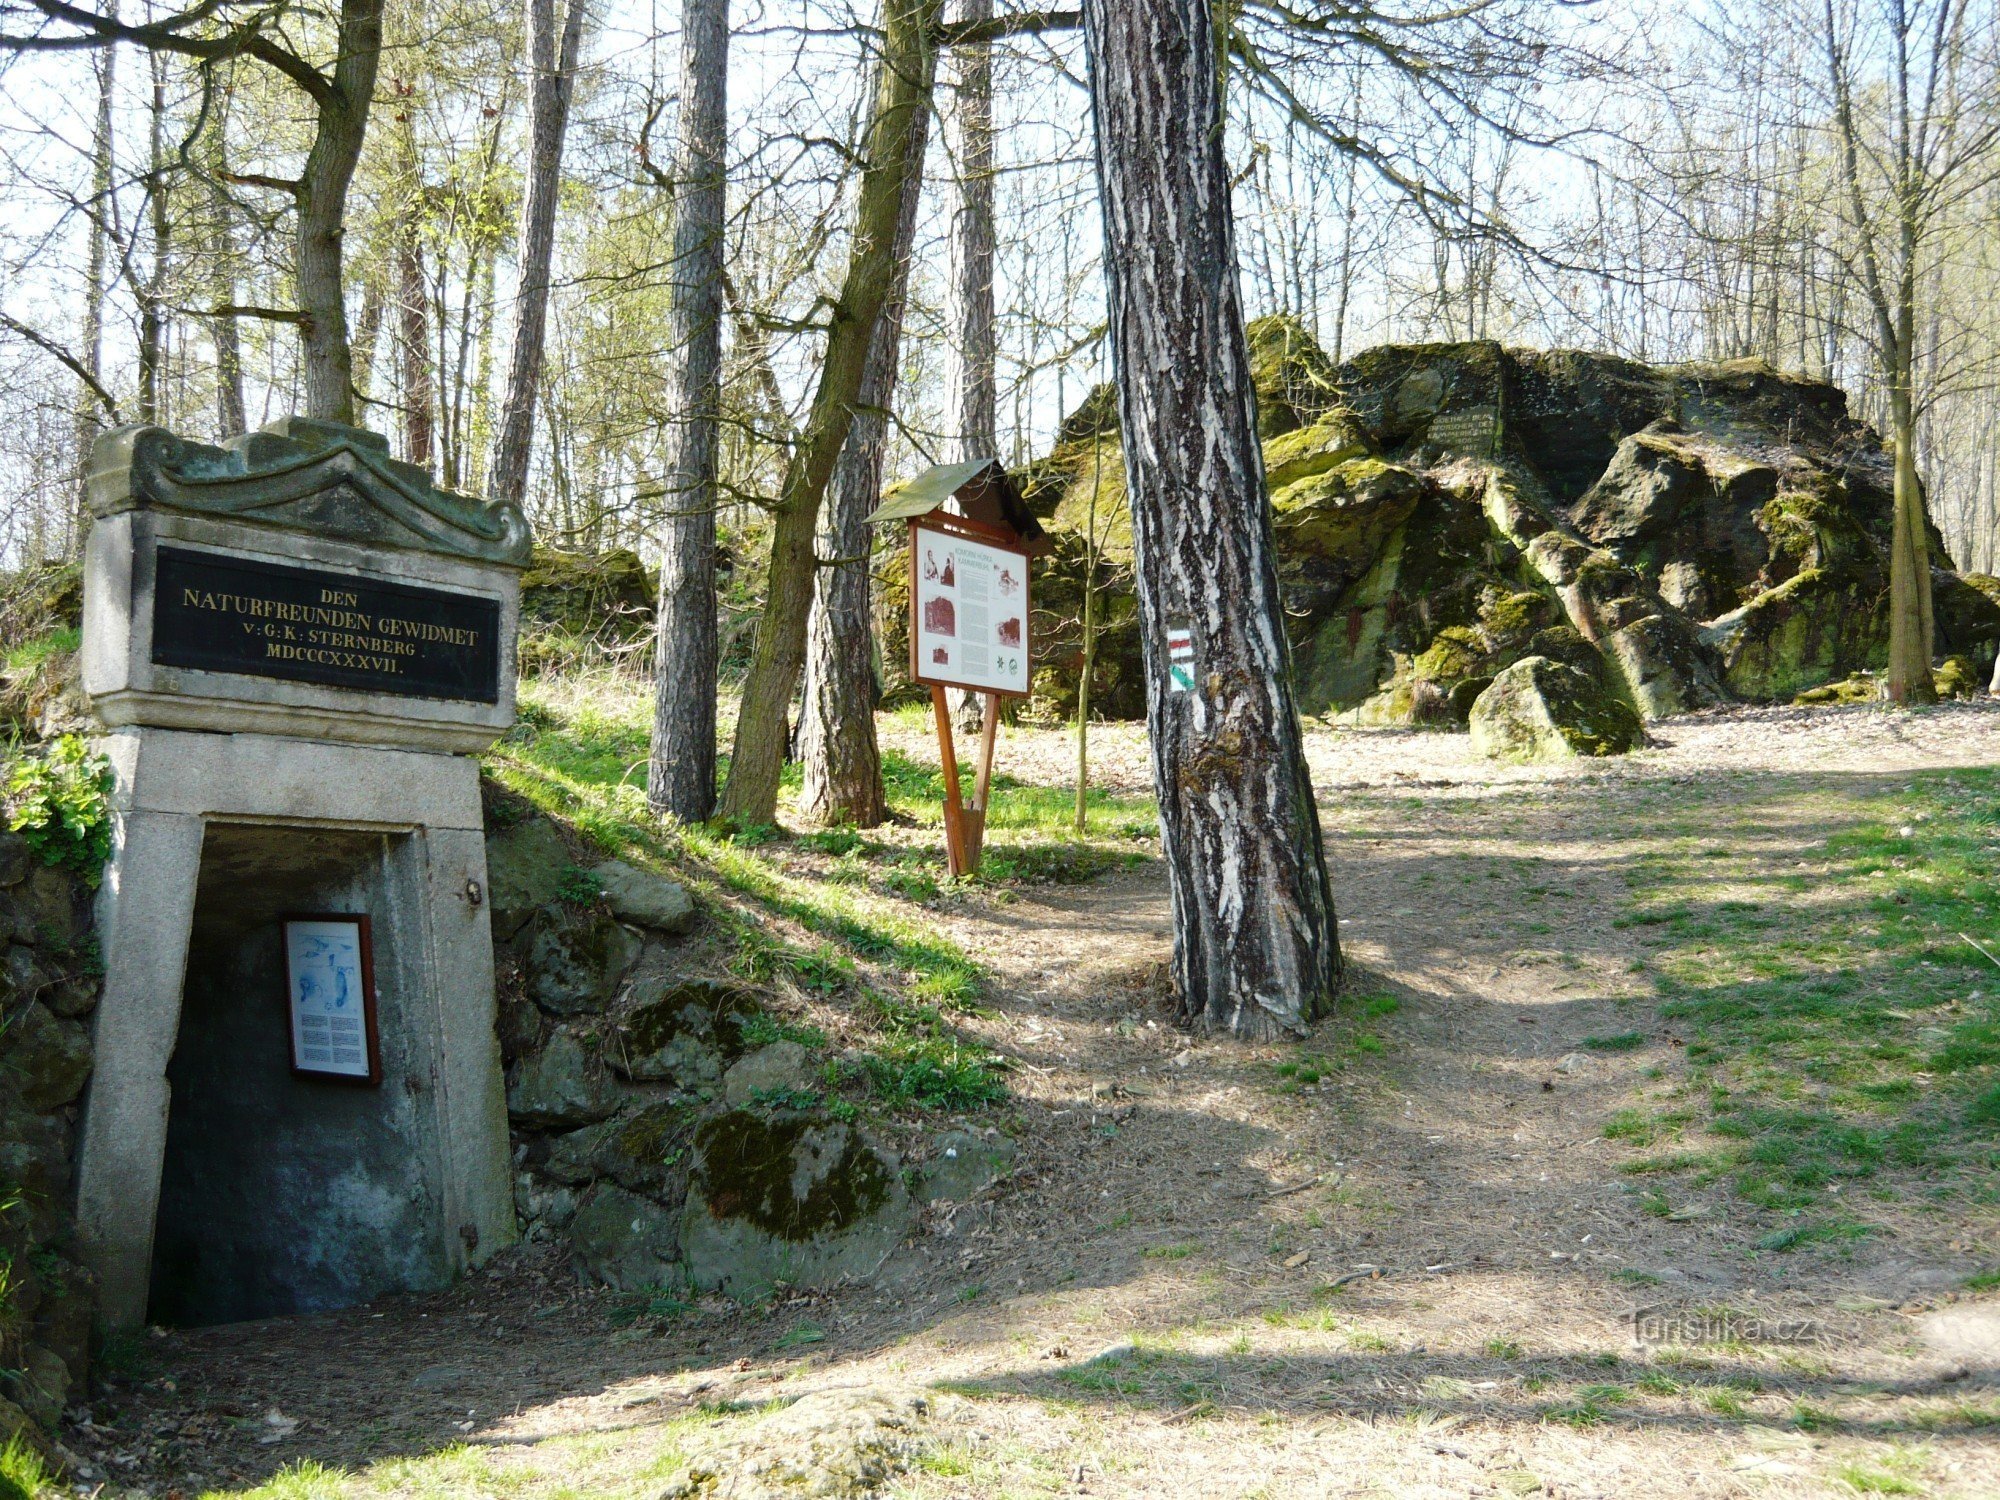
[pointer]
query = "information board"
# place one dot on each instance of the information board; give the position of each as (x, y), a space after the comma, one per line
(233, 614)
(330, 994)
(968, 612)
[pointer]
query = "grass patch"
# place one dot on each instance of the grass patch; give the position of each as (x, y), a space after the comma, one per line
(1836, 1025)
(1625, 1041)
(579, 754)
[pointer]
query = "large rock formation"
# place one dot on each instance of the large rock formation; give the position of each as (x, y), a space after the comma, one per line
(1696, 533)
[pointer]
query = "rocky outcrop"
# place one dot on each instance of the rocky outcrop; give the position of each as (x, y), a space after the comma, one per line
(1710, 532)
(669, 1128)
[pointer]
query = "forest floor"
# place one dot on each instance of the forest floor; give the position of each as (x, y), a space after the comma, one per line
(1652, 1152)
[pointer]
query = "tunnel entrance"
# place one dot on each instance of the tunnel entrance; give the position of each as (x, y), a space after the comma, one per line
(284, 1193)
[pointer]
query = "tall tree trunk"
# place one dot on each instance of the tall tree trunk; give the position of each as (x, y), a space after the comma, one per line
(1910, 620)
(340, 127)
(971, 391)
(552, 64)
(89, 417)
(230, 416)
(909, 69)
(152, 296)
(367, 329)
(1255, 947)
(837, 746)
(971, 421)
(413, 338)
(680, 780)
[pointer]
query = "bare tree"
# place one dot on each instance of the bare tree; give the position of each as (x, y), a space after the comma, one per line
(340, 94)
(680, 780)
(1903, 165)
(909, 71)
(837, 747)
(1255, 945)
(552, 57)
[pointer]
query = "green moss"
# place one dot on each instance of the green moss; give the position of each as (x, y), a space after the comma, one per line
(714, 1012)
(1956, 677)
(1510, 616)
(1454, 654)
(750, 1167)
(1293, 377)
(1862, 687)
(1336, 438)
(1566, 644)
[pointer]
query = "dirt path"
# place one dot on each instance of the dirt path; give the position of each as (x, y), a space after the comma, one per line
(1400, 1261)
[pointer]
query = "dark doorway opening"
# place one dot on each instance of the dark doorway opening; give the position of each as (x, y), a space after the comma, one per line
(282, 1194)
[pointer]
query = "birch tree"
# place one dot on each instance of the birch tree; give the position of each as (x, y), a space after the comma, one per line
(1255, 946)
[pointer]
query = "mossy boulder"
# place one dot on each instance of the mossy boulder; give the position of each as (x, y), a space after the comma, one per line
(1342, 515)
(560, 1088)
(621, 1240)
(645, 1150)
(1541, 710)
(1414, 486)
(644, 898)
(1815, 627)
(793, 1199)
(586, 592)
(779, 1070)
(1862, 687)
(1293, 377)
(685, 1032)
(525, 864)
(1956, 677)
(575, 957)
(45, 1059)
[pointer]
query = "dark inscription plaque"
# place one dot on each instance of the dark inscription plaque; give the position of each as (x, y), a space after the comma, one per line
(227, 614)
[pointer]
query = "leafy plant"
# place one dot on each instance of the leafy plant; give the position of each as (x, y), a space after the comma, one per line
(61, 804)
(578, 886)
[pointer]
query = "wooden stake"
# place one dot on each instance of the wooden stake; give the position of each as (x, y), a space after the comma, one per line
(956, 861)
(982, 782)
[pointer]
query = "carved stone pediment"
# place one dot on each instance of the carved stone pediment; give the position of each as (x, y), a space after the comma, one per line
(301, 475)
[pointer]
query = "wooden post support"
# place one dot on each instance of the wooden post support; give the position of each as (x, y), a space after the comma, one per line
(965, 823)
(982, 782)
(957, 861)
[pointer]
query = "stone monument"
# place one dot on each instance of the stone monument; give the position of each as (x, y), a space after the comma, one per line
(295, 646)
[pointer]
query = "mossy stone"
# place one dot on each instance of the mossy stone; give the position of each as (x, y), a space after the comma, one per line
(46, 1058)
(645, 1151)
(687, 1033)
(798, 1199)
(624, 1241)
(1541, 710)
(576, 957)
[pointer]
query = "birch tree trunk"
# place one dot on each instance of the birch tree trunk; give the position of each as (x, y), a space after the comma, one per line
(680, 779)
(552, 67)
(909, 70)
(837, 745)
(1255, 946)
